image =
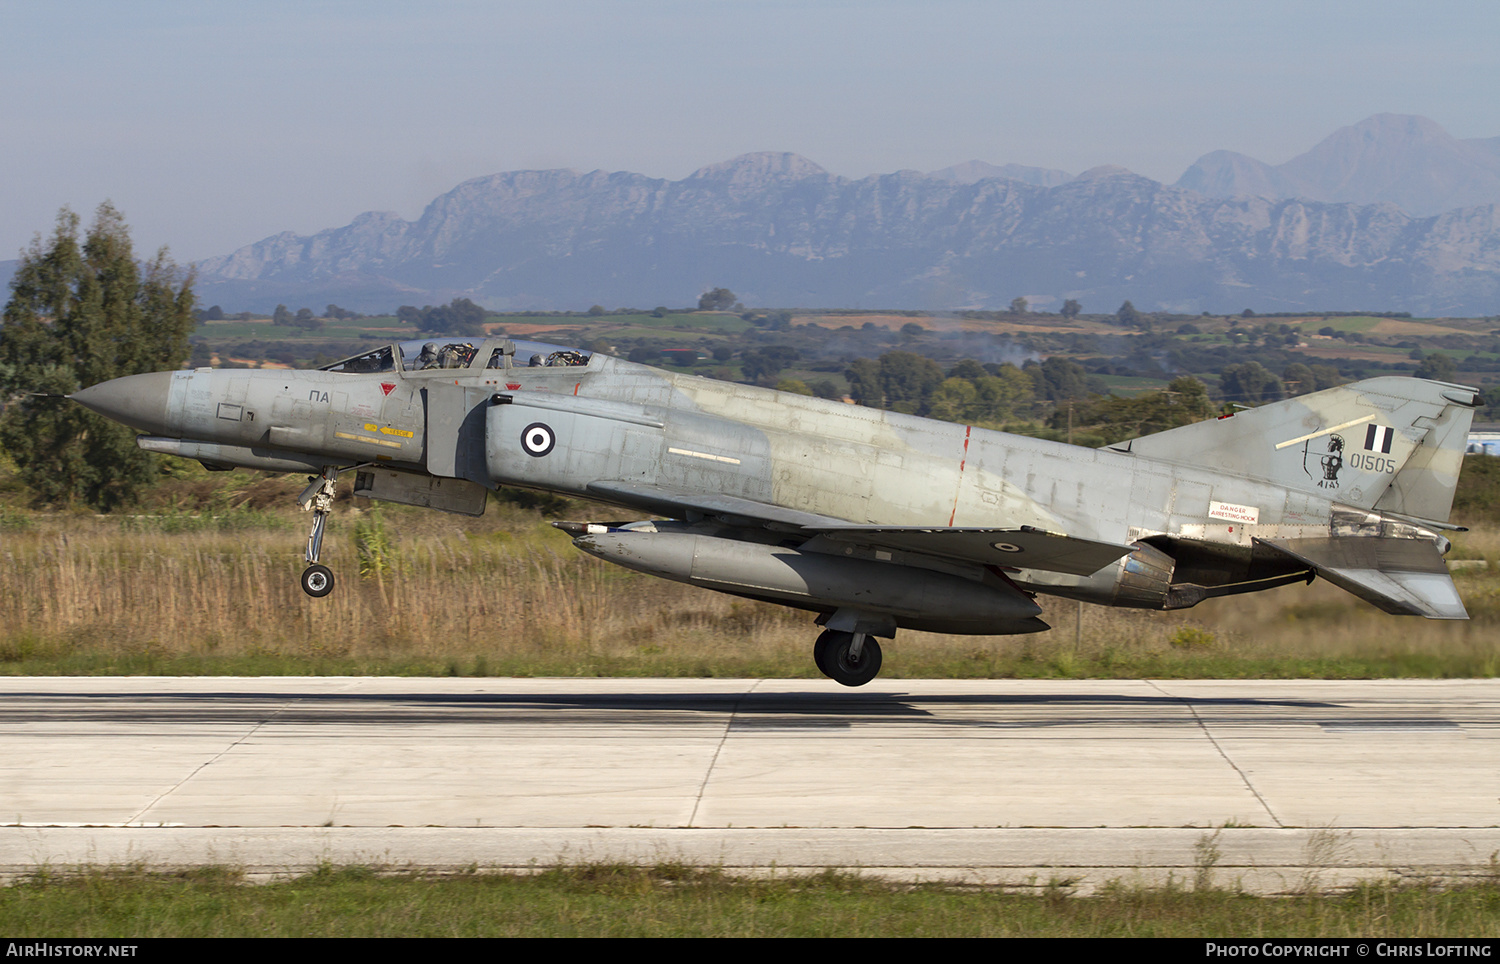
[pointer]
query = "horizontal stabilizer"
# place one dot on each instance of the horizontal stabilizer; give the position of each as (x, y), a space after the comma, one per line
(1025, 548)
(1405, 577)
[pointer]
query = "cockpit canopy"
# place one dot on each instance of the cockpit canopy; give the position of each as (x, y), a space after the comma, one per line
(429, 354)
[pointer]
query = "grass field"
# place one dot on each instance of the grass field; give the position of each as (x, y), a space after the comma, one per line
(676, 901)
(209, 586)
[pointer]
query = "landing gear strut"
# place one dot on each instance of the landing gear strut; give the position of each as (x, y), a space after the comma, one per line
(852, 659)
(317, 580)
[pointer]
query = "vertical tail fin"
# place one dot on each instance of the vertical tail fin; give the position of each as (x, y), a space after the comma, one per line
(1392, 444)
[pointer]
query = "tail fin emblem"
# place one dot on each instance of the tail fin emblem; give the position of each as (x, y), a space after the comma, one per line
(1330, 462)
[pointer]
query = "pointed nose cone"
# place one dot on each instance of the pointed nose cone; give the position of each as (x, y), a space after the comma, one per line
(139, 401)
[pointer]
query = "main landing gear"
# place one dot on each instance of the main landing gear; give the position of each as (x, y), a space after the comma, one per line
(852, 659)
(317, 580)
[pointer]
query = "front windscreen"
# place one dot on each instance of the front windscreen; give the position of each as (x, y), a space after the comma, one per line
(379, 360)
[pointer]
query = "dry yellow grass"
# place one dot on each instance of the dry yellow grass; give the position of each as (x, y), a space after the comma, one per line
(506, 594)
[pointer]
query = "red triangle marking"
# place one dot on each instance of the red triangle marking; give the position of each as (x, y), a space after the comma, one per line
(387, 387)
(513, 386)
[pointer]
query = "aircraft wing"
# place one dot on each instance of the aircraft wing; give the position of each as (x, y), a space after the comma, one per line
(1405, 577)
(730, 509)
(1024, 548)
(1020, 548)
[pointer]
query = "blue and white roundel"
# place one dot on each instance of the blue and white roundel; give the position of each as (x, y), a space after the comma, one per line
(537, 439)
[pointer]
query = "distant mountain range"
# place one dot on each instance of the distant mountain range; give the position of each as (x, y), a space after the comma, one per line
(1397, 159)
(1392, 214)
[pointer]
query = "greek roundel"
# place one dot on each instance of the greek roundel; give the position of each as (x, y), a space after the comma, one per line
(537, 439)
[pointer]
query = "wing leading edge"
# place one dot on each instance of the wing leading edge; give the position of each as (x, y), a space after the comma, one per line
(1019, 548)
(1023, 548)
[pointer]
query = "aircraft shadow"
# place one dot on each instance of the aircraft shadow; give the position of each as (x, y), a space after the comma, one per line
(562, 707)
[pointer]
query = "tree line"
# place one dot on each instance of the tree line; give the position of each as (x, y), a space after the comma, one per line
(82, 310)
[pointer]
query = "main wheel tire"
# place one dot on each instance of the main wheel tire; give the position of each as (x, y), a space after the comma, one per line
(854, 672)
(823, 649)
(317, 581)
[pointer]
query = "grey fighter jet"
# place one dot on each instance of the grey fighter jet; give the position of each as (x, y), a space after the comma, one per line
(872, 520)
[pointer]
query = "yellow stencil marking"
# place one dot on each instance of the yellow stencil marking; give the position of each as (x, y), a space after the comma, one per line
(372, 427)
(372, 441)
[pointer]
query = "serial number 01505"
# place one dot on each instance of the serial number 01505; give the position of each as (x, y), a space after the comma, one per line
(1372, 463)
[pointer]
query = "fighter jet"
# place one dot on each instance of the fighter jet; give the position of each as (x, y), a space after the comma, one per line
(873, 520)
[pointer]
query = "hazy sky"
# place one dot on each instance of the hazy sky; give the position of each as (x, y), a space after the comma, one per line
(213, 125)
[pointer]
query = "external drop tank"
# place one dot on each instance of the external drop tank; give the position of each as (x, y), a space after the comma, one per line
(914, 598)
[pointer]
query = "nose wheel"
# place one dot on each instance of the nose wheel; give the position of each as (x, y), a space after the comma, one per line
(317, 580)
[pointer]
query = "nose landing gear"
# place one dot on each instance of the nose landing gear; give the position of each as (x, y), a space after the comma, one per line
(317, 580)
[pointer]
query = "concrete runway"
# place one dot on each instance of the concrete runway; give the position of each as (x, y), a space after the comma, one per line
(1267, 784)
